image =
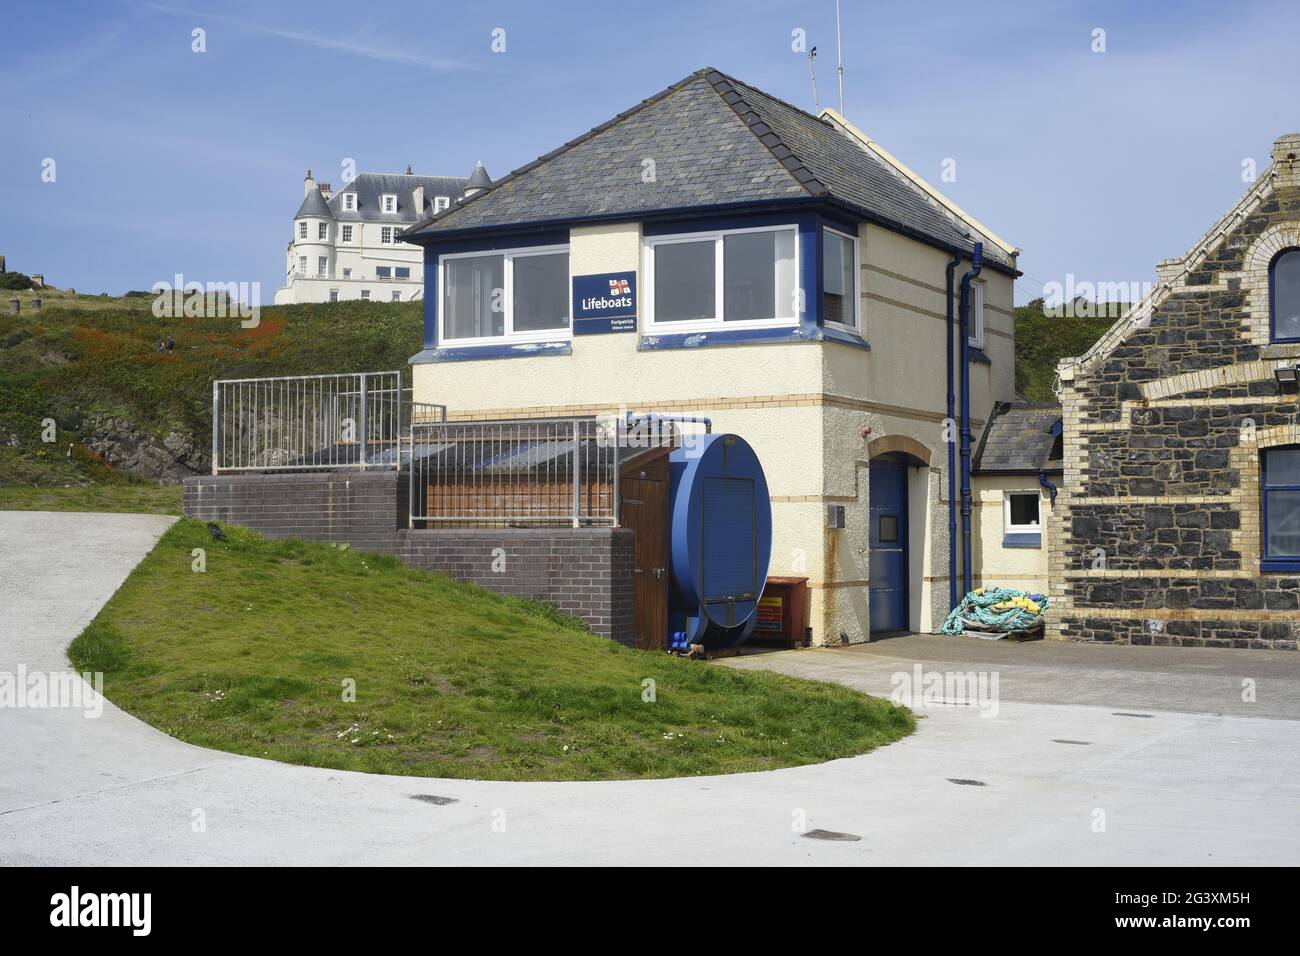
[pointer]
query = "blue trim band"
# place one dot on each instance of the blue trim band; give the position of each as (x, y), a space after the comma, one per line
(1286, 565)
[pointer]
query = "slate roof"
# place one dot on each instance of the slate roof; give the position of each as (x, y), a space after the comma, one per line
(368, 187)
(1019, 439)
(713, 141)
(314, 204)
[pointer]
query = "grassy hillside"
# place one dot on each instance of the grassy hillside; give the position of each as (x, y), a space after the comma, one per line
(85, 358)
(1042, 341)
(253, 656)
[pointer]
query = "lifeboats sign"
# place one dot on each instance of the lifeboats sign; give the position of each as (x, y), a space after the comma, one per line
(604, 303)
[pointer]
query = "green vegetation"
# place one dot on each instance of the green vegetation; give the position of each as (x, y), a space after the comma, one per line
(15, 280)
(253, 656)
(84, 357)
(1042, 341)
(139, 497)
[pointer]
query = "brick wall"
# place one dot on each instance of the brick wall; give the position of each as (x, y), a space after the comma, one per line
(586, 572)
(1156, 537)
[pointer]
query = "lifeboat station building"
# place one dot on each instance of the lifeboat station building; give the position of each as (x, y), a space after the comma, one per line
(717, 252)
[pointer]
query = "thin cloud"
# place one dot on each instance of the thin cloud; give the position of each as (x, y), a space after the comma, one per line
(441, 65)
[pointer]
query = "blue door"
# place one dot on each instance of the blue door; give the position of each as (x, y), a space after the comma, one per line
(887, 565)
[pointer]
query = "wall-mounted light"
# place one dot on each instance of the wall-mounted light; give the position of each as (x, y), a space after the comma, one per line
(1286, 378)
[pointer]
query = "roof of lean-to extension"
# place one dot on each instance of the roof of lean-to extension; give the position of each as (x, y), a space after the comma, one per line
(1020, 438)
(710, 140)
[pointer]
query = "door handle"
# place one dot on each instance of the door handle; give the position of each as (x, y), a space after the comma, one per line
(659, 572)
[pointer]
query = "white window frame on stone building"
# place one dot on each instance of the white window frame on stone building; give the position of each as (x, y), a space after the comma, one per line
(350, 202)
(322, 267)
(1021, 534)
(386, 235)
(347, 234)
(440, 203)
(365, 295)
(302, 266)
(388, 203)
(322, 230)
(334, 295)
(302, 229)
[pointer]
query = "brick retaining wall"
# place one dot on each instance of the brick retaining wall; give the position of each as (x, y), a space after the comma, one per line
(586, 572)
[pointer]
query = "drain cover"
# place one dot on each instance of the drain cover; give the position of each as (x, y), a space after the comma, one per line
(963, 782)
(436, 800)
(832, 835)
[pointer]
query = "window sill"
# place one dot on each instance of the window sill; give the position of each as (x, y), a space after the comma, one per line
(651, 341)
(1280, 565)
(495, 350)
(1023, 539)
(977, 355)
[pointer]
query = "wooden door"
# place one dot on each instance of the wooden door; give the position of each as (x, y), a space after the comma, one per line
(645, 511)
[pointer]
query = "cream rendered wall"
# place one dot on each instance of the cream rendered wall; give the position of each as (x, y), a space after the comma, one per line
(1023, 568)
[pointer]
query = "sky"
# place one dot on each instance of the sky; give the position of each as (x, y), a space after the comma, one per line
(1098, 154)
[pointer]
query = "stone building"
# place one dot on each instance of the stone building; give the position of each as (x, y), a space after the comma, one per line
(1178, 517)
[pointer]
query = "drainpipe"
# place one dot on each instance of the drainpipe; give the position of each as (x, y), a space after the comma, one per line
(1051, 488)
(952, 446)
(977, 263)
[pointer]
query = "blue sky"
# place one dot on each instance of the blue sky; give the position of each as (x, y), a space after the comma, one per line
(1096, 164)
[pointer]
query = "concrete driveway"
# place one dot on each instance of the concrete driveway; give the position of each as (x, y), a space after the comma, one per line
(1042, 782)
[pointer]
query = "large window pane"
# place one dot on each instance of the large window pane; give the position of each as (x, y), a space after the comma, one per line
(541, 292)
(1283, 523)
(1286, 295)
(684, 281)
(1282, 466)
(472, 297)
(758, 276)
(839, 279)
(1024, 510)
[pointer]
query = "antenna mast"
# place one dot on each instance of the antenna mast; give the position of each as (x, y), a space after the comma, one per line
(839, 55)
(812, 71)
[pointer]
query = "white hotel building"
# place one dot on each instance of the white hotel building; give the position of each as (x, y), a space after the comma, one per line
(345, 244)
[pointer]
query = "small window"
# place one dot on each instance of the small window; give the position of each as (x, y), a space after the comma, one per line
(522, 294)
(347, 273)
(397, 296)
(1284, 295)
(302, 265)
(322, 266)
(440, 203)
(839, 278)
(402, 272)
(888, 529)
(383, 272)
(1280, 484)
(365, 295)
(322, 230)
(739, 277)
(1022, 512)
(302, 229)
(334, 295)
(350, 202)
(347, 233)
(386, 236)
(976, 328)
(389, 203)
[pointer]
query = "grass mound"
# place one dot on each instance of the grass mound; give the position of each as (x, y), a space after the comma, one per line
(260, 653)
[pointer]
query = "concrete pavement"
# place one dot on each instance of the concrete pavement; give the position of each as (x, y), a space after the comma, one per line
(1041, 782)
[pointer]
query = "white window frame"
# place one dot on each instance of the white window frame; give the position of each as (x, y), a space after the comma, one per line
(302, 267)
(440, 203)
(1007, 526)
(384, 203)
(322, 267)
(347, 273)
(856, 327)
(350, 202)
(334, 295)
(975, 329)
(378, 275)
(365, 295)
(387, 235)
(322, 231)
(718, 322)
(346, 235)
(397, 295)
(302, 229)
(405, 278)
(508, 299)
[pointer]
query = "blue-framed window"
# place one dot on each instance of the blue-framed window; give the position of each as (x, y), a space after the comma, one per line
(1279, 482)
(1284, 296)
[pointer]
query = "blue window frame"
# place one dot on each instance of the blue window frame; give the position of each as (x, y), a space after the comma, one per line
(1279, 481)
(1284, 296)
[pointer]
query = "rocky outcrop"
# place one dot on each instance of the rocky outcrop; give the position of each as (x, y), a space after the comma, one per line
(125, 447)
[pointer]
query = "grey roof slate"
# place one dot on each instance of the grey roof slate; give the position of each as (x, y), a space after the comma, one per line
(480, 179)
(713, 141)
(314, 204)
(369, 187)
(1018, 439)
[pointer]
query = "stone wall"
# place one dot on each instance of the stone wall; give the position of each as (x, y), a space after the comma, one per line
(586, 572)
(1156, 536)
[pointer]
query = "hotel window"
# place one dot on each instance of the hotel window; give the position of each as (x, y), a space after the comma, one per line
(322, 266)
(322, 230)
(517, 295)
(302, 265)
(397, 296)
(365, 295)
(839, 278)
(738, 278)
(1021, 525)
(347, 233)
(386, 235)
(440, 203)
(334, 295)
(402, 272)
(389, 203)
(1284, 295)
(302, 229)
(350, 202)
(1280, 494)
(383, 272)
(976, 328)
(347, 273)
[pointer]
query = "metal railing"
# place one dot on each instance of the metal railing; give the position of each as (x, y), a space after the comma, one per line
(308, 422)
(553, 471)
